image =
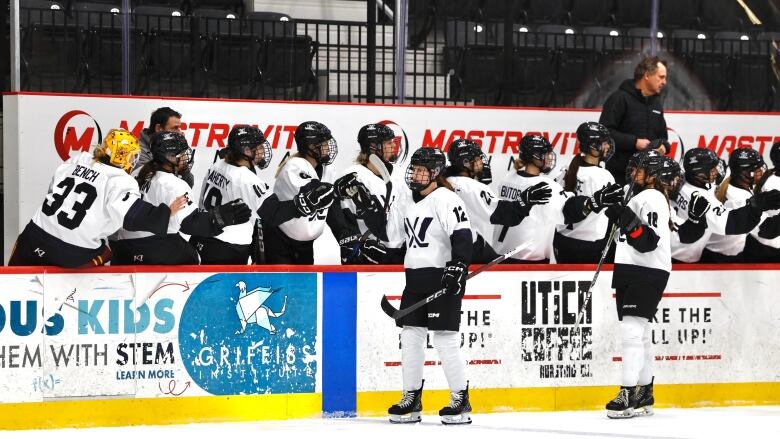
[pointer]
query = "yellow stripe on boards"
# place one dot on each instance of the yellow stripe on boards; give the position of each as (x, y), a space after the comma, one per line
(580, 398)
(158, 411)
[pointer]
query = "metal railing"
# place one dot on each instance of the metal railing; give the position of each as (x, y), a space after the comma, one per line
(447, 62)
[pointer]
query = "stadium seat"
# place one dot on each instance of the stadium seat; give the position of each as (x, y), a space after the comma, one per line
(286, 64)
(217, 21)
(601, 38)
(39, 11)
(577, 68)
(532, 76)
(732, 43)
(233, 65)
(633, 13)
(480, 75)
(592, 12)
(555, 36)
(97, 14)
(52, 58)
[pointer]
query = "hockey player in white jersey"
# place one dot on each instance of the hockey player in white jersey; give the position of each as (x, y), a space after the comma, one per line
(364, 196)
(234, 177)
(536, 159)
(747, 169)
(642, 265)
(702, 168)
(90, 197)
(160, 180)
(763, 242)
(584, 241)
(484, 208)
(292, 242)
(438, 252)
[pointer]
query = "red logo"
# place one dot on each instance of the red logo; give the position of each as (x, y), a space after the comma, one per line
(75, 133)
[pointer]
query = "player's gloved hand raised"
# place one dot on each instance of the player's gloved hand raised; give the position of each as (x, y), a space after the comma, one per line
(539, 193)
(609, 195)
(350, 249)
(487, 172)
(230, 214)
(698, 206)
(454, 278)
(314, 197)
(624, 217)
(373, 251)
(346, 186)
(764, 201)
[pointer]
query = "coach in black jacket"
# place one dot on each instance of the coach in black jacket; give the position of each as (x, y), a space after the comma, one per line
(634, 114)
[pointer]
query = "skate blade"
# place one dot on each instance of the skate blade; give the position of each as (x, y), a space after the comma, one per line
(456, 420)
(644, 411)
(621, 414)
(406, 419)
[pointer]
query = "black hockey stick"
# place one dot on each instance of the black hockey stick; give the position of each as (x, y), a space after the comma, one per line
(610, 240)
(399, 313)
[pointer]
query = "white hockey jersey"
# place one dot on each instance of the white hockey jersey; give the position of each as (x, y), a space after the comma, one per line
(87, 201)
(163, 188)
(773, 182)
(594, 226)
(730, 245)
(224, 183)
(652, 208)
(716, 217)
(298, 172)
(429, 224)
(480, 202)
(538, 228)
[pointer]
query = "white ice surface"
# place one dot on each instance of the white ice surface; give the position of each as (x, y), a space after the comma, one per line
(706, 423)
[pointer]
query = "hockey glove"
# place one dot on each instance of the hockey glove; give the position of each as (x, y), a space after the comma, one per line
(764, 201)
(539, 193)
(624, 217)
(454, 278)
(373, 251)
(230, 214)
(314, 197)
(698, 206)
(609, 195)
(350, 249)
(345, 186)
(487, 173)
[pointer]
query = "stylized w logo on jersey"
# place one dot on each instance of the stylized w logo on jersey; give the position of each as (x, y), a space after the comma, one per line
(415, 236)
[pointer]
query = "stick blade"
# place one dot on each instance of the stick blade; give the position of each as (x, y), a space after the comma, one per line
(388, 308)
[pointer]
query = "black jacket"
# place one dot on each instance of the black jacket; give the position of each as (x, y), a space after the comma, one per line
(630, 116)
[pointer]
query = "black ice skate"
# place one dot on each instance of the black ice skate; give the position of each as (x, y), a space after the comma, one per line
(644, 400)
(623, 404)
(408, 409)
(458, 412)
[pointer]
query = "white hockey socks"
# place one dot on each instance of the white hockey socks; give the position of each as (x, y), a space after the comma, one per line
(412, 356)
(646, 374)
(447, 344)
(632, 330)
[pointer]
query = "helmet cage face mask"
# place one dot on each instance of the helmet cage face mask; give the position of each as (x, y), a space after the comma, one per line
(431, 160)
(263, 154)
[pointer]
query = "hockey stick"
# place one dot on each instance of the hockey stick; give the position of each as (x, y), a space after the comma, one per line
(399, 313)
(610, 240)
(380, 166)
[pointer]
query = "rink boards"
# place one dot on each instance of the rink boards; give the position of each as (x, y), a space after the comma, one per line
(121, 346)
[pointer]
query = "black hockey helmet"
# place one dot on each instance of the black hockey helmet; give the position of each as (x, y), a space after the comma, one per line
(462, 153)
(430, 158)
(311, 138)
(595, 137)
(774, 155)
(668, 174)
(171, 147)
(249, 142)
(537, 150)
(372, 137)
(746, 166)
(637, 159)
(699, 163)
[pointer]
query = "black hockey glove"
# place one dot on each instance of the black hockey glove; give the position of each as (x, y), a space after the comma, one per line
(314, 197)
(345, 186)
(487, 173)
(373, 251)
(698, 207)
(764, 201)
(539, 193)
(232, 213)
(609, 195)
(624, 217)
(350, 249)
(454, 277)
